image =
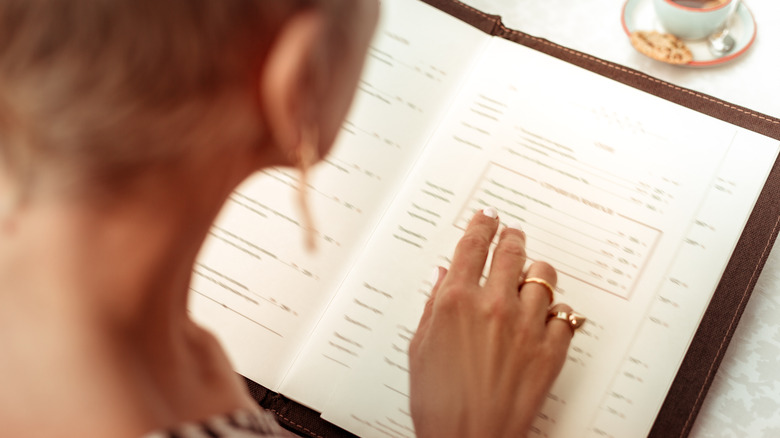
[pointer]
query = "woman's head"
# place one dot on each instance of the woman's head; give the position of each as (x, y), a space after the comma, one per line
(99, 91)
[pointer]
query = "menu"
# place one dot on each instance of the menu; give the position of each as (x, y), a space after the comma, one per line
(621, 191)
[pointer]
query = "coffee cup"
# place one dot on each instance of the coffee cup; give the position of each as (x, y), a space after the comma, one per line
(693, 19)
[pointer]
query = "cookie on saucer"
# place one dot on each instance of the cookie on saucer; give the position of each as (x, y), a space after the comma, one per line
(661, 46)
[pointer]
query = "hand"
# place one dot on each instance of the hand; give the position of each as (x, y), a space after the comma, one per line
(484, 357)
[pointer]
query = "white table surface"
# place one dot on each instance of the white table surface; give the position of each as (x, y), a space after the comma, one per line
(744, 400)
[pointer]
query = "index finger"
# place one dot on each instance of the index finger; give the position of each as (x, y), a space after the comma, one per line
(468, 262)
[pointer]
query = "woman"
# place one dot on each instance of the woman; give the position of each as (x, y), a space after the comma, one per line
(124, 126)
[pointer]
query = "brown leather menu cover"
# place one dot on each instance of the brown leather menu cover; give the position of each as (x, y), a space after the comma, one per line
(708, 347)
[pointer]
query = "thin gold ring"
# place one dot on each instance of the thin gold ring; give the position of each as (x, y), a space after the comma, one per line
(544, 283)
(575, 320)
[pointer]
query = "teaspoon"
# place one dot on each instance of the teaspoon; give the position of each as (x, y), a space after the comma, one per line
(721, 43)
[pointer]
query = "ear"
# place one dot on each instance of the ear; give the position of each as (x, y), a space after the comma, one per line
(287, 89)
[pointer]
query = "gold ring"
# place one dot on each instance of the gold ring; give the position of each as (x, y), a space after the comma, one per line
(575, 320)
(544, 283)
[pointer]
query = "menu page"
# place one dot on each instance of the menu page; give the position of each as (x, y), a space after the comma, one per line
(621, 191)
(255, 286)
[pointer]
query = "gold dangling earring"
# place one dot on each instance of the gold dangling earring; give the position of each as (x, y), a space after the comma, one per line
(306, 156)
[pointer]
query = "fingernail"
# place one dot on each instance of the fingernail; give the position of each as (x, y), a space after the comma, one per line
(435, 275)
(490, 212)
(515, 225)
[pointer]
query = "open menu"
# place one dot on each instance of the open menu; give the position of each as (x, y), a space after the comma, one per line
(638, 203)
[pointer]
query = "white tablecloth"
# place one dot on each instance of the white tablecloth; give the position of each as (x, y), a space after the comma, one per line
(744, 400)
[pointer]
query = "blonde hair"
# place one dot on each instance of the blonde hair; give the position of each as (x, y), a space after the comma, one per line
(105, 89)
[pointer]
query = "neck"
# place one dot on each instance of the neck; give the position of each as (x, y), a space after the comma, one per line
(123, 263)
(100, 290)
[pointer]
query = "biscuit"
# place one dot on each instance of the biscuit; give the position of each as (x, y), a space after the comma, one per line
(661, 46)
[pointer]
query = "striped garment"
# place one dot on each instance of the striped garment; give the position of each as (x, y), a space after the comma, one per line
(241, 424)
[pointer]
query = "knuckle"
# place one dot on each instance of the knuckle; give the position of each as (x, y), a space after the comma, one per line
(451, 300)
(511, 247)
(527, 339)
(544, 270)
(474, 242)
(497, 308)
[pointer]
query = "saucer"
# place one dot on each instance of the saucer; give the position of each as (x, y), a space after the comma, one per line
(640, 15)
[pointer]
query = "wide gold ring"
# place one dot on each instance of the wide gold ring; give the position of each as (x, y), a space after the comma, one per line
(544, 283)
(575, 320)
